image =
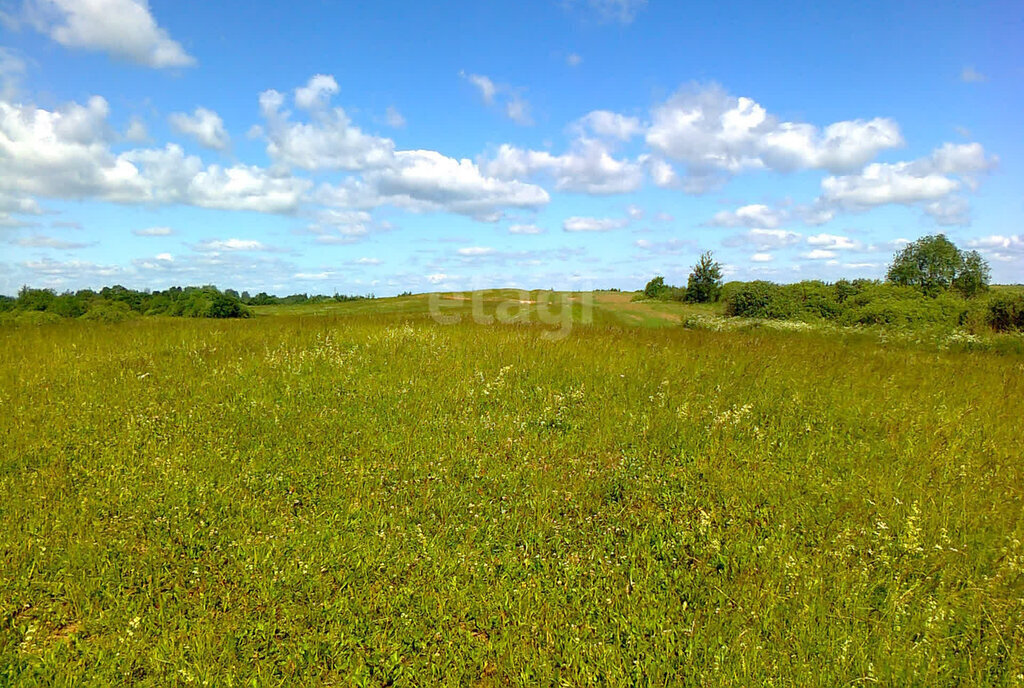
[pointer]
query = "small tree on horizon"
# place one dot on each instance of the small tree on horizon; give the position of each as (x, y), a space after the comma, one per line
(655, 288)
(934, 264)
(705, 282)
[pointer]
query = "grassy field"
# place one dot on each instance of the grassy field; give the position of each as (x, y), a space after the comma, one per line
(355, 494)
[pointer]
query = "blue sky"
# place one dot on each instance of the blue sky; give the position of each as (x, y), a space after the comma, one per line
(383, 147)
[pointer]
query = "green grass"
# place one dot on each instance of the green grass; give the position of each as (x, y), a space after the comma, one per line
(368, 497)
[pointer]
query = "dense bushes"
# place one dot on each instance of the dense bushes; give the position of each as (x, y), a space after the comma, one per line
(1006, 312)
(117, 303)
(866, 302)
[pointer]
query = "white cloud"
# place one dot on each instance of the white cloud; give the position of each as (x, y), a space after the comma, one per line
(367, 261)
(205, 126)
(634, 212)
(166, 257)
(487, 88)
(316, 93)
(65, 153)
(762, 258)
(394, 118)
(518, 110)
(589, 168)
(231, 245)
(764, 239)
(515, 107)
(438, 278)
(123, 28)
(475, 251)
(573, 60)
(153, 231)
(12, 70)
(1001, 247)
(525, 229)
(621, 11)
(881, 183)
(834, 242)
(424, 180)
(971, 75)
(749, 216)
(329, 142)
(609, 124)
(716, 135)
(593, 224)
(818, 254)
(40, 241)
(136, 131)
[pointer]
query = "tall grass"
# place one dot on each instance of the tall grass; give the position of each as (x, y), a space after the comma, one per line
(373, 500)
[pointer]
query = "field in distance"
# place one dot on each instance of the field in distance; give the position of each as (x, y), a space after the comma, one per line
(373, 497)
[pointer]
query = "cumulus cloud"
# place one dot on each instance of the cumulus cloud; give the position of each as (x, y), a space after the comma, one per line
(605, 123)
(1001, 247)
(588, 167)
(205, 126)
(593, 224)
(716, 135)
(424, 180)
(762, 258)
(65, 153)
(123, 28)
(329, 141)
(834, 242)
(932, 178)
(316, 93)
(749, 216)
(475, 251)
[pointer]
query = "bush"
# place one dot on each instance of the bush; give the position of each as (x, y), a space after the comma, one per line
(1005, 312)
(760, 300)
(115, 311)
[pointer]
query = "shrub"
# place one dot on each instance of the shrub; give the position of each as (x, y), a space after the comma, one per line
(103, 311)
(760, 300)
(655, 288)
(1006, 312)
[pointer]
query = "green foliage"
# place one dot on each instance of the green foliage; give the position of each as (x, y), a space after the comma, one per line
(705, 281)
(655, 288)
(118, 303)
(760, 299)
(860, 302)
(934, 264)
(377, 499)
(1006, 312)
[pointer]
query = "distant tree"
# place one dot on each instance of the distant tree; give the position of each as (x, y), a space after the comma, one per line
(655, 288)
(974, 275)
(934, 264)
(705, 282)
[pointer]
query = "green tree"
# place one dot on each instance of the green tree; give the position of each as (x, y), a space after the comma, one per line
(934, 264)
(705, 282)
(974, 275)
(655, 288)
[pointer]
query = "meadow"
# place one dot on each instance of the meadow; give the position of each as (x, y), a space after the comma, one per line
(357, 494)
